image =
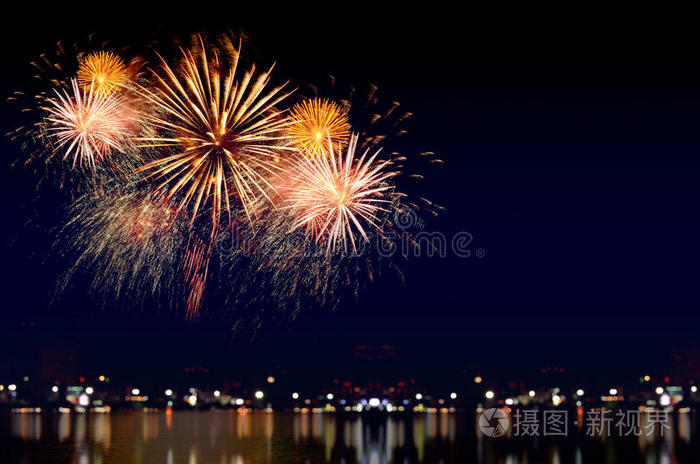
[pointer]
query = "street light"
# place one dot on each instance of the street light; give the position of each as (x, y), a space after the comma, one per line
(453, 395)
(295, 396)
(419, 396)
(259, 394)
(329, 396)
(489, 395)
(89, 390)
(168, 392)
(579, 392)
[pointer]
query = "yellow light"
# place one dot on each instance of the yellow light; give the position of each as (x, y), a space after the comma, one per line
(647, 378)
(192, 400)
(105, 71)
(314, 122)
(101, 378)
(259, 394)
(478, 379)
(489, 395)
(270, 379)
(556, 400)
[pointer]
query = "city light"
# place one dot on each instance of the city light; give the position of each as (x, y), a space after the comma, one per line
(665, 400)
(509, 401)
(453, 395)
(694, 389)
(489, 395)
(659, 390)
(478, 379)
(239, 401)
(329, 396)
(168, 392)
(101, 378)
(12, 387)
(647, 378)
(419, 396)
(192, 400)
(217, 393)
(270, 379)
(556, 400)
(531, 393)
(89, 390)
(579, 392)
(295, 396)
(2, 387)
(135, 391)
(83, 400)
(374, 402)
(613, 391)
(259, 394)
(54, 389)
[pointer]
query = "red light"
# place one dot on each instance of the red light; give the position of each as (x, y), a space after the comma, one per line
(82, 379)
(667, 380)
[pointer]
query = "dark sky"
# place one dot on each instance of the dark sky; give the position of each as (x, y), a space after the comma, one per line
(571, 151)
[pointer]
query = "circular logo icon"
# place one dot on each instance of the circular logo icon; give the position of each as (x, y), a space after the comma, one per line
(493, 422)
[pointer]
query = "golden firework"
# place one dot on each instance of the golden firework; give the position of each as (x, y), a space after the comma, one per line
(104, 70)
(224, 134)
(314, 121)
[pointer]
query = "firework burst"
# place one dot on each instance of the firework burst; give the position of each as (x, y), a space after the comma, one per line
(89, 124)
(314, 121)
(335, 197)
(103, 70)
(226, 135)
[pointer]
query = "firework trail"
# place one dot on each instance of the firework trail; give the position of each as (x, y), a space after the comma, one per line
(128, 243)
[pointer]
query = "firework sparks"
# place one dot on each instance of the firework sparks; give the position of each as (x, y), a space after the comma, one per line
(227, 134)
(89, 124)
(103, 70)
(314, 121)
(335, 197)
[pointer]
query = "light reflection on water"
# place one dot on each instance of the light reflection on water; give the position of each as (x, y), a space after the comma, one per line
(227, 437)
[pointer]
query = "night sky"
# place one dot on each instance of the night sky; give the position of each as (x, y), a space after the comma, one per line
(571, 155)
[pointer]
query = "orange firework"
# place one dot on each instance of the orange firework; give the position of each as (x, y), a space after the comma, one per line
(224, 135)
(314, 121)
(89, 124)
(335, 197)
(103, 70)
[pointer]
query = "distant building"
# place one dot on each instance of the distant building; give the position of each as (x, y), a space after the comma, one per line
(58, 360)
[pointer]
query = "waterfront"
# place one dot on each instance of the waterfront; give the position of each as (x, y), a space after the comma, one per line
(227, 436)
